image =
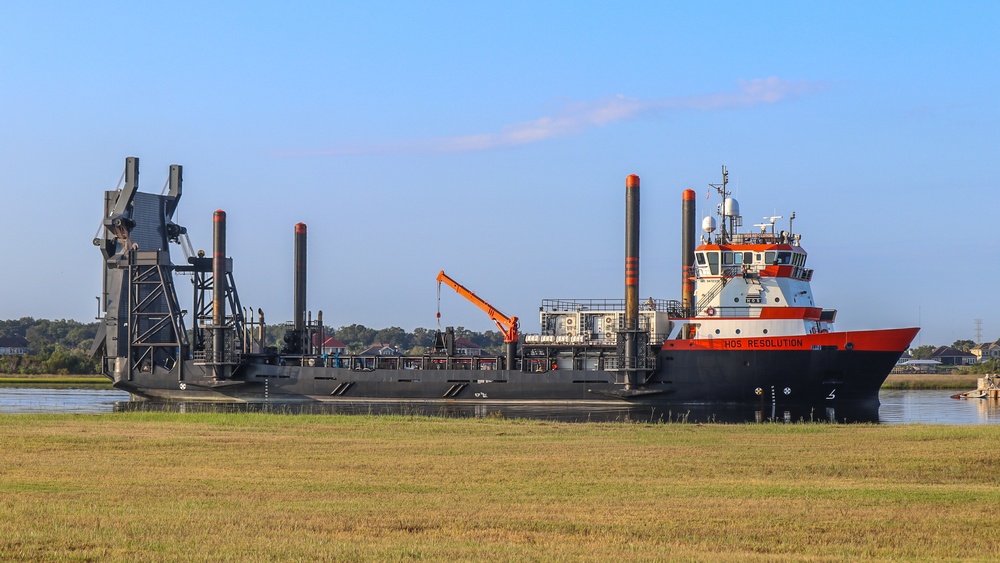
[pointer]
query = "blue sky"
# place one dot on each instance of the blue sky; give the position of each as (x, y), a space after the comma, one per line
(492, 140)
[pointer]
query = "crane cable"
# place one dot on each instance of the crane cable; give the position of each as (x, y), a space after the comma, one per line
(439, 307)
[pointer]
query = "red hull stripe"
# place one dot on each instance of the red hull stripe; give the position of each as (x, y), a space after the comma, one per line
(808, 313)
(778, 271)
(889, 340)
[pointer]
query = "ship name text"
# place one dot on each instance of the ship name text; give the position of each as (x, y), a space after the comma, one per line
(764, 343)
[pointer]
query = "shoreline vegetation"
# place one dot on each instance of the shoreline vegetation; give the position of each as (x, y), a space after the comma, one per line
(931, 381)
(200, 486)
(894, 381)
(50, 381)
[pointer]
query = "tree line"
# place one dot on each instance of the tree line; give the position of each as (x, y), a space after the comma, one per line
(59, 347)
(62, 347)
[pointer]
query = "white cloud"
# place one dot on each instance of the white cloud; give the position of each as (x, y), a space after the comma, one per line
(580, 116)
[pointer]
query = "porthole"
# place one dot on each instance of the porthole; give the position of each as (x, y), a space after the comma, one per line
(736, 299)
(737, 331)
(777, 300)
(849, 346)
(717, 331)
(765, 331)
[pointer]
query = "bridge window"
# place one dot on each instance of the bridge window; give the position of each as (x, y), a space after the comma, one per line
(701, 258)
(748, 257)
(784, 258)
(737, 258)
(727, 258)
(769, 257)
(713, 262)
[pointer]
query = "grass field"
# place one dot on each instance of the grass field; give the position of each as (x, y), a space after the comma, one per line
(141, 486)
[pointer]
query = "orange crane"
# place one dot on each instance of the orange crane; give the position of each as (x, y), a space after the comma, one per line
(508, 325)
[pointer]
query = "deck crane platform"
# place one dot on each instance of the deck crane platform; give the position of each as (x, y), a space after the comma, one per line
(508, 325)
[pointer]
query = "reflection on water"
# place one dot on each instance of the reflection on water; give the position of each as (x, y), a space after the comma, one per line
(898, 407)
(936, 407)
(690, 413)
(35, 400)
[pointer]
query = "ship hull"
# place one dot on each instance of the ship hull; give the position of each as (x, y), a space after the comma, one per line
(682, 376)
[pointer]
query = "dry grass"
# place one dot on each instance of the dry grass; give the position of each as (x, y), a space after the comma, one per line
(269, 487)
(930, 381)
(56, 381)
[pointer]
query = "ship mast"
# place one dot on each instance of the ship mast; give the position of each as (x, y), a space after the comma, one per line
(721, 189)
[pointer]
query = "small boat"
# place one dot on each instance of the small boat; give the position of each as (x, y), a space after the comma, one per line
(977, 394)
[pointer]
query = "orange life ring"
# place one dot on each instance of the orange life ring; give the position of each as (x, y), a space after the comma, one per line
(710, 311)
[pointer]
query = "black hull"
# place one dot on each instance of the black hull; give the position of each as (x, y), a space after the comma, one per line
(763, 379)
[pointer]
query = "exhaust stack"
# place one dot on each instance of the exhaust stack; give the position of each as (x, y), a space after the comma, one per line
(688, 234)
(299, 297)
(631, 279)
(632, 252)
(220, 287)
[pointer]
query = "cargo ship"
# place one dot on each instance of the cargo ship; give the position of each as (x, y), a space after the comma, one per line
(745, 332)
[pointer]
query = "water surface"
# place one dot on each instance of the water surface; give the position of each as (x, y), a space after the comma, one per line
(898, 407)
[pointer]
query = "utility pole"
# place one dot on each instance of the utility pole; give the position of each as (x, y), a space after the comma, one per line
(979, 331)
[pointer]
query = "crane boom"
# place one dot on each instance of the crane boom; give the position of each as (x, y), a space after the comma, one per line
(508, 325)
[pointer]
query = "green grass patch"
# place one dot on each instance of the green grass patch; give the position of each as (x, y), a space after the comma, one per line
(138, 486)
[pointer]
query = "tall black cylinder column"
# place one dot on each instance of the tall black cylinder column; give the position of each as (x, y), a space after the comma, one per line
(219, 286)
(631, 276)
(688, 232)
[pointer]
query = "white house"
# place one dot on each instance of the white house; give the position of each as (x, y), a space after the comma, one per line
(13, 346)
(987, 351)
(330, 345)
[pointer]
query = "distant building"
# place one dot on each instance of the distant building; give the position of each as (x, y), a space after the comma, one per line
(949, 356)
(13, 346)
(330, 345)
(381, 350)
(987, 351)
(466, 347)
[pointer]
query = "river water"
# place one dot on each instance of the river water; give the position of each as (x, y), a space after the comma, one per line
(898, 407)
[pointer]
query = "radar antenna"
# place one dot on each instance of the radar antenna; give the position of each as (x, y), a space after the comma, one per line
(771, 221)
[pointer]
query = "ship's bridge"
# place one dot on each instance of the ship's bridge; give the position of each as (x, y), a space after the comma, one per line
(752, 260)
(741, 280)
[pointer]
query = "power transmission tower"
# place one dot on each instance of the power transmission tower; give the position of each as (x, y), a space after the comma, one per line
(979, 331)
